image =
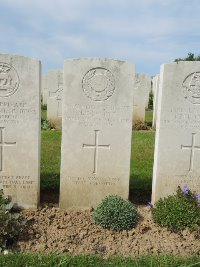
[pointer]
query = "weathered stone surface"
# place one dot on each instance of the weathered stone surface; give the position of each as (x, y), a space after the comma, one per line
(54, 100)
(96, 138)
(155, 89)
(20, 129)
(44, 90)
(148, 89)
(141, 91)
(177, 146)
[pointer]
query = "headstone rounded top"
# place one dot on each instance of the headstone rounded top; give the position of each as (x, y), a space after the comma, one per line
(191, 88)
(98, 84)
(9, 80)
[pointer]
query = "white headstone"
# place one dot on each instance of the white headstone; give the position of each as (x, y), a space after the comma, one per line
(148, 89)
(54, 100)
(140, 96)
(177, 147)
(44, 89)
(96, 125)
(20, 129)
(155, 82)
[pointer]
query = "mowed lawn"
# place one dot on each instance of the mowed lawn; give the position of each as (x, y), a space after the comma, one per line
(53, 260)
(140, 170)
(50, 160)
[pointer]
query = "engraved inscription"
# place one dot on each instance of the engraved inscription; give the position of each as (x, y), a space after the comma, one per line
(96, 146)
(9, 80)
(16, 182)
(14, 112)
(192, 149)
(98, 84)
(96, 116)
(182, 117)
(94, 180)
(191, 88)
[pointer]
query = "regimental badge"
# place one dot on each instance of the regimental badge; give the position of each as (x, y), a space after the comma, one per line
(191, 88)
(9, 80)
(98, 84)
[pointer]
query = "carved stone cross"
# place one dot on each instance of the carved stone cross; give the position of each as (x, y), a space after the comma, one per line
(96, 147)
(192, 149)
(2, 145)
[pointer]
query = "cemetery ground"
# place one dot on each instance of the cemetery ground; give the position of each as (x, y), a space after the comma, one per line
(70, 234)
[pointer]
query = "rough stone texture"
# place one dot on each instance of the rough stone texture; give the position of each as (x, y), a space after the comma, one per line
(141, 91)
(177, 145)
(44, 90)
(154, 84)
(96, 138)
(54, 100)
(148, 89)
(155, 87)
(20, 129)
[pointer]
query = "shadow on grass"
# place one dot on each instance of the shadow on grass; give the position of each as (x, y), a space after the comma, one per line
(50, 186)
(52, 196)
(139, 197)
(149, 124)
(140, 191)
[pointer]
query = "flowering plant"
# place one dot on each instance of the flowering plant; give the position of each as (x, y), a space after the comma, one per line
(178, 211)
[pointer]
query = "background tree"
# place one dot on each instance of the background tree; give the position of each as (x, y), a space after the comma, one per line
(190, 57)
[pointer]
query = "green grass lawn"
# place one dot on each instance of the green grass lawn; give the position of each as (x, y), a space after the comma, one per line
(141, 166)
(28, 260)
(149, 117)
(50, 160)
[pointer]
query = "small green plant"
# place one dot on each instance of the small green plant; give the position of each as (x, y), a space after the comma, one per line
(178, 211)
(115, 213)
(45, 124)
(10, 223)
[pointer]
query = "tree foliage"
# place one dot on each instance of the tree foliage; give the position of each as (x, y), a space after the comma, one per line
(190, 57)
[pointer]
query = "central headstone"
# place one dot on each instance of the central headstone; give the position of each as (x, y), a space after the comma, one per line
(96, 138)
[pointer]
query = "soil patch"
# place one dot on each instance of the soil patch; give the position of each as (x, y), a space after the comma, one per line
(50, 229)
